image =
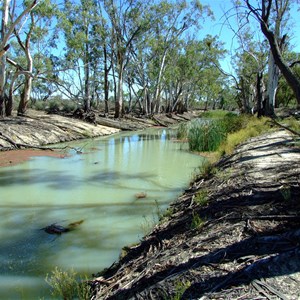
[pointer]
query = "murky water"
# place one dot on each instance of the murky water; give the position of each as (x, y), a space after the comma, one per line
(97, 186)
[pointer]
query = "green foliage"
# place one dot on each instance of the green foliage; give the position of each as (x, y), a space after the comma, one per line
(39, 105)
(65, 284)
(197, 221)
(182, 131)
(206, 136)
(58, 105)
(221, 131)
(53, 106)
(253, 127)
(286, 192)
(180, 288)
(201, 198)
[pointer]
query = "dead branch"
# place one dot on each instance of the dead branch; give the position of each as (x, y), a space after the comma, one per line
(284, 127)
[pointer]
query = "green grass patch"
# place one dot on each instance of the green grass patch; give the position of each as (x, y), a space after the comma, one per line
(201, 198)
(221, 131)
(207, 134)
(197, 221)
(180, 288)
(253, 128)
(68, 285)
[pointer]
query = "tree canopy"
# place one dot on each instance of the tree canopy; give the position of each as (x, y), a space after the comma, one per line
(147, 57)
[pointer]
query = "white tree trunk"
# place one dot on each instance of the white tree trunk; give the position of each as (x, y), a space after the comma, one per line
(273, 73)
(4, 21)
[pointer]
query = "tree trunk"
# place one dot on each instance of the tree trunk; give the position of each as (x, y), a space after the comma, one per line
(5, 13)
(9, 104)
(286, 71)
(25, 96)
(259, 94)
(87, 100)
(158, 83)
(272, 86)
(119, 99)
(106, 81)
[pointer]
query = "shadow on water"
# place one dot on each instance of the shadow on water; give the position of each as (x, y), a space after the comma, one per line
(22, 255)
(59, 180)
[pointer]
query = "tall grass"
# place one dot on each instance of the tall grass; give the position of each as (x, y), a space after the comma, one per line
(253, 127)
(207, 134)
(221, 131)
(67, 285)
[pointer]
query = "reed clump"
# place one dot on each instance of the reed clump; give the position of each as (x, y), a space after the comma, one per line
(221, 132)
(208, 133)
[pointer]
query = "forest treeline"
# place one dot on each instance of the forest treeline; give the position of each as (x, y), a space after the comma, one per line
(146, 56)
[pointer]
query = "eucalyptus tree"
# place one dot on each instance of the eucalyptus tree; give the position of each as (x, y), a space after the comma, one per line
(174, 20)
(193, 73)
(79, 20)
(128, 21)
(155, 54)
(250, 67)
(26, 54)
(271, 17)
(9, 22)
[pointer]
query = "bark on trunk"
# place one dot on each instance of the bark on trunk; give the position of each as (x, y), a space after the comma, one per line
(106, 81)
(119, 100)
(286, 71)
(272, 86)
(5, 12)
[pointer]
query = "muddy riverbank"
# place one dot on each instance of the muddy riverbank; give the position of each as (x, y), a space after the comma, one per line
(234, 234)
(36, 130)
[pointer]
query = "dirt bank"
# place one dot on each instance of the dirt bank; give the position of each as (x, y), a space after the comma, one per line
(234, 234)
(38, 129)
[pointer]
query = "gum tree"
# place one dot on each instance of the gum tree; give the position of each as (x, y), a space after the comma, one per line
(263, 10)
(8, 25)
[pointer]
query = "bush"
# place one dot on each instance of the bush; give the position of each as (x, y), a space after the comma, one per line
(65, 284)
(53, 106)
(68, 106)
(253, 127)
(39, 105)
(229, 130)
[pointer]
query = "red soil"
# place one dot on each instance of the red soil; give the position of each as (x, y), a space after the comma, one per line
(13, 157)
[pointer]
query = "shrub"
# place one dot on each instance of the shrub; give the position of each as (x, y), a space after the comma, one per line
(39, 105)
(53, 106)
(253, 127)
(65, 284)
(68, 106)
(197, 222)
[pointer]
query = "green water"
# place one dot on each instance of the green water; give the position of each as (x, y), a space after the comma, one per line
(97, 186)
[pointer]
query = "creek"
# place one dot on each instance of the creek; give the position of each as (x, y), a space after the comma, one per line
(98, 186)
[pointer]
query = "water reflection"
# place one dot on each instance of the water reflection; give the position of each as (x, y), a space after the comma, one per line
(98, 186)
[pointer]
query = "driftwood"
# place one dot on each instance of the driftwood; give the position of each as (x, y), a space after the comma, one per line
(55, 228)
